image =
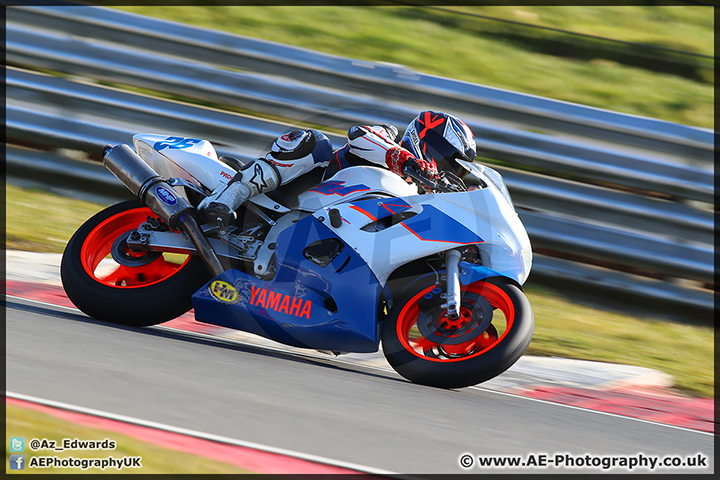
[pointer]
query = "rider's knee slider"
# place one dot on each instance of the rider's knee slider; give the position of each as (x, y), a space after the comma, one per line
(298, 152)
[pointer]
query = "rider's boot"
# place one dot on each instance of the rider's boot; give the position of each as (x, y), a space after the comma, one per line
(255, 178)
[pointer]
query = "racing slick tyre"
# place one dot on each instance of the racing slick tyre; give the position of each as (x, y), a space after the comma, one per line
(108, 281)
(427, 347)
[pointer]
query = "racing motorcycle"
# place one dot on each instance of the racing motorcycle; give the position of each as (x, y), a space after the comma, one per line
(433, 269)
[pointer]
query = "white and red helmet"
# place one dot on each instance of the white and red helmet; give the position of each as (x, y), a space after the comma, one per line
(440, 137)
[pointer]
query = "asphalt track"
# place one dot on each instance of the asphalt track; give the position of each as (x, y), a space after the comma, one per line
(349, 413)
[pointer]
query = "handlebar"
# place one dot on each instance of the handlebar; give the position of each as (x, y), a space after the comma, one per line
(441, 185)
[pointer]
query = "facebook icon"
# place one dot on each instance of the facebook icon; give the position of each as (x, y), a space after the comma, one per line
(17, 462)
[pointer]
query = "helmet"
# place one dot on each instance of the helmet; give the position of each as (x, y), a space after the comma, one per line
(440, 137)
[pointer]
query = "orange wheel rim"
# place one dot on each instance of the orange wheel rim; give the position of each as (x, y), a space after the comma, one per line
(489, 339)
(97, 246)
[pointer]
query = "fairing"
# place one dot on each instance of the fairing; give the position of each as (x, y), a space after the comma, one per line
(336, 306)
(435, 223)
(352, 183)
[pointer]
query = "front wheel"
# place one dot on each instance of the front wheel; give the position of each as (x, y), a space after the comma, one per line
(425, 346)
(108, 281)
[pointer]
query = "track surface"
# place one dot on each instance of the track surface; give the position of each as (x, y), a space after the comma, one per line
(349, 413)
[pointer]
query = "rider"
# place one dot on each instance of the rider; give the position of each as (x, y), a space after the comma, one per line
(431, 142)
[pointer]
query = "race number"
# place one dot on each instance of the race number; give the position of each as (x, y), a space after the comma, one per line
(176, 142)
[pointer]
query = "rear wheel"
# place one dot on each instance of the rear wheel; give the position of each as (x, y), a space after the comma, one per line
(425, 346)
(107, 280)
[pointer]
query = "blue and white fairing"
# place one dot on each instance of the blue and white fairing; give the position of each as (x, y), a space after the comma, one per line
(330, 280)
(324, 302)
(439, 222)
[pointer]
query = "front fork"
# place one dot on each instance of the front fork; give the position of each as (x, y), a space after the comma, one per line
(453, 294)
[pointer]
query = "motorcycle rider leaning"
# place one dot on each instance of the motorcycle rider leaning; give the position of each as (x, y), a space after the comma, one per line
(432, 141)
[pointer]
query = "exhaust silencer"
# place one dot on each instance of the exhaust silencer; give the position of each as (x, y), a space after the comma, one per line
(160, 197)
(144, 182)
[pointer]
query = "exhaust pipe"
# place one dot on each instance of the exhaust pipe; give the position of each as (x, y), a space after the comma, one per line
(144, 182)
(160, 197)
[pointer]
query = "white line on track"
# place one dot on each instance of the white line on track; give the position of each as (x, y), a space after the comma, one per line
(202, 435)
(354, 364)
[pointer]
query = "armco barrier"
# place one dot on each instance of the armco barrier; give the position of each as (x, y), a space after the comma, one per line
(391, 82)
(171, 69)
(649, 245)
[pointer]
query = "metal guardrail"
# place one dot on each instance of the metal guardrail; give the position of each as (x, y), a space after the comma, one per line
(627, 231)
(682, 178)
(391, 82)
(83, 179)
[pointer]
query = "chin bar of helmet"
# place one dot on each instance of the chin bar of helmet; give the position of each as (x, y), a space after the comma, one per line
(160, 197)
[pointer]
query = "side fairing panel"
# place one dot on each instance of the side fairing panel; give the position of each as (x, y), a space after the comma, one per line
(433, 224)
(331, 307)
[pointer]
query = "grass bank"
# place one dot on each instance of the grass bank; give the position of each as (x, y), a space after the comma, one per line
(643, 81)
(40, 221)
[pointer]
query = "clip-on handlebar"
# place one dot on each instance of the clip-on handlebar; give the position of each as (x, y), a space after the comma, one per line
(431, 185)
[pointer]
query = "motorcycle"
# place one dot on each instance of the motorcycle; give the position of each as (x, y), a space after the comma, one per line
(432, 269)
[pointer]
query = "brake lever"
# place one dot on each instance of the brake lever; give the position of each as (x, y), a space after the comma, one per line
(428, 184)
(419, 180)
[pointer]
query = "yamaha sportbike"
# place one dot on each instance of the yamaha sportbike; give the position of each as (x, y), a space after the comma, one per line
(432, 270)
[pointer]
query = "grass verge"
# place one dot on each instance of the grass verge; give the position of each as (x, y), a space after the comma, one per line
(29, 424)
(40, 221)
(570, 330)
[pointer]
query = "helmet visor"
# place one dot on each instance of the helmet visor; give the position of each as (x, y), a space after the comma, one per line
(444, 153)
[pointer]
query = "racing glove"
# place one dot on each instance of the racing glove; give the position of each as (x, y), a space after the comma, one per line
(397, 158)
